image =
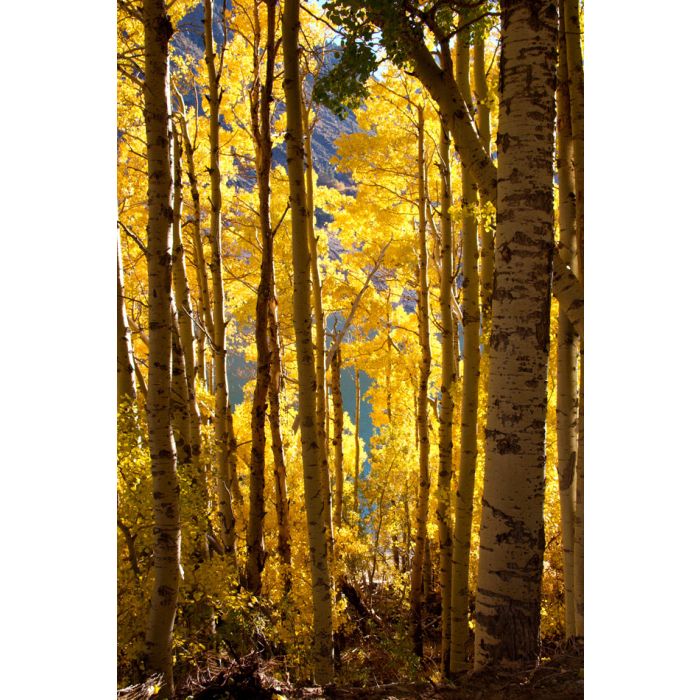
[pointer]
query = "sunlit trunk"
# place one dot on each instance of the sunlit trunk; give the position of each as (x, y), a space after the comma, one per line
(464, 497)
(322, 654)
(512, 528)
(319, 335)
(166, 502)
(336, 365)
(218, 298)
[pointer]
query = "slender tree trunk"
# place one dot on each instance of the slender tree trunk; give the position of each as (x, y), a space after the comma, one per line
(261, 99)
(218, 298)
(130, 539)
(166, 502)
(311, 457)
(185, 341)
(336, 365)
(179, 410)
(141, 381)
(233, 484)
(197, 246)
(356, 483)
(427, 582)
(210, 374)
(180, 283)
(483, 117)
(284, 537)
(574, 60)
(319, 335)
(566, 345)
(444, 480)
(408, 535)
(201, 362)
(512, 527)
(126, 387)
(388, 359)
(464, 500)
(422, 416)
(578, 518)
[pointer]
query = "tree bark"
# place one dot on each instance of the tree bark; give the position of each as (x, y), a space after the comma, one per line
(185, 342)
(483, 117)
(356, 483)
(179, 410)
(261, 99)
(126, 386)
(566, 344)
(574, 60)
(180, 284)
(578, 517)
(319, 335)
(444, 480)
(166, 505)
(284, 537)
(422, 416)
(512, 528)
(311, 458)
(464, 499)
(218, 297)
(200, 260)
(336, 365)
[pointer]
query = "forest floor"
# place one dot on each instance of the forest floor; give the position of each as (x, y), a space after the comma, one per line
(557, 677)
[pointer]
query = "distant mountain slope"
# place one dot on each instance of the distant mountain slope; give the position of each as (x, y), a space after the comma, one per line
(189, 42)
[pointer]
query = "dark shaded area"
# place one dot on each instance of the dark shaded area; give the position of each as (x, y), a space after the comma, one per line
(559, 677)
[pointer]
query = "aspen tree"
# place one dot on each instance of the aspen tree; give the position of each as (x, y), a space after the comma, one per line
(574, 60)
(356, 482)
(566, 346)
(512, 529)
(578, 518)
(126, 388)
(388, 362)
(261, 99)
(185, 342)
(336, 364)
(319, 332)
(483, 125)
(179, 410)
(464, 498)
(180, 284)
(574, 63)
(321, 584)
(444, 480)
(405, 43)
(218, 299)
(201, 362)
(198, 248)
(422, 413)
(166, 507)
(284, 537)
